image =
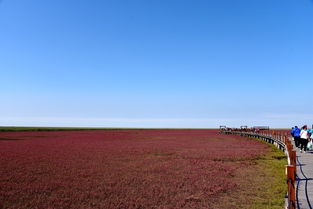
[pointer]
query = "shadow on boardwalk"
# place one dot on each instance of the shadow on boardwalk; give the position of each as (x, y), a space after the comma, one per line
(304, 180)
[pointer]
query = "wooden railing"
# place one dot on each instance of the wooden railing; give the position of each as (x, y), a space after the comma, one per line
(281, 140)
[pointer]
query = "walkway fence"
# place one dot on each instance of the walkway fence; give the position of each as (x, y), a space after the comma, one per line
(279, 138)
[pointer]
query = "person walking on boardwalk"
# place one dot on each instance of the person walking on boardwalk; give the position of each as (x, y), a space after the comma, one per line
(304, 138)
(292, 131)
(296, 136)
(310, 138)
(310, 133)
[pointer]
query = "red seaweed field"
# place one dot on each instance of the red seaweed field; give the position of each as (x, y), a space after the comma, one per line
(120, 168)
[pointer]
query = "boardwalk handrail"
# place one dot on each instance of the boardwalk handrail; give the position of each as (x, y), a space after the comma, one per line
(281, 140)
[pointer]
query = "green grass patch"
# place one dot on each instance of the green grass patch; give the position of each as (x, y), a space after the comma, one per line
(261, 185)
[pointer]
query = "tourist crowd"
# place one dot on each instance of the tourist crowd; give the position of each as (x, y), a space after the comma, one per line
(303, 137)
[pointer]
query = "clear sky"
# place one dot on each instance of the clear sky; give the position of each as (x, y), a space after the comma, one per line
(156, 63)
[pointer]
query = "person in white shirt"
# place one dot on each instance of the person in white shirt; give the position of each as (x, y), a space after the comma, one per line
(304, 138)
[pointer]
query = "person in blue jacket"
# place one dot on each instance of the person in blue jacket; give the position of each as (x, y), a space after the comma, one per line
(292, 131)
(310, 132)
(296, 136)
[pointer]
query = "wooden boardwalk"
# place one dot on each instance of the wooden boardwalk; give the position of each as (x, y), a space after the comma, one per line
(304, 192)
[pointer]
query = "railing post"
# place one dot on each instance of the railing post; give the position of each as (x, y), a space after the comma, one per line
(294, 161)
(291, 187)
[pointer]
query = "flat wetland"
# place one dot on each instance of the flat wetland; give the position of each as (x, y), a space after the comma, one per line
(138, 168)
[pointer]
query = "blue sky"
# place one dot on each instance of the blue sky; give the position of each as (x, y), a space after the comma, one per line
(156, 63)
